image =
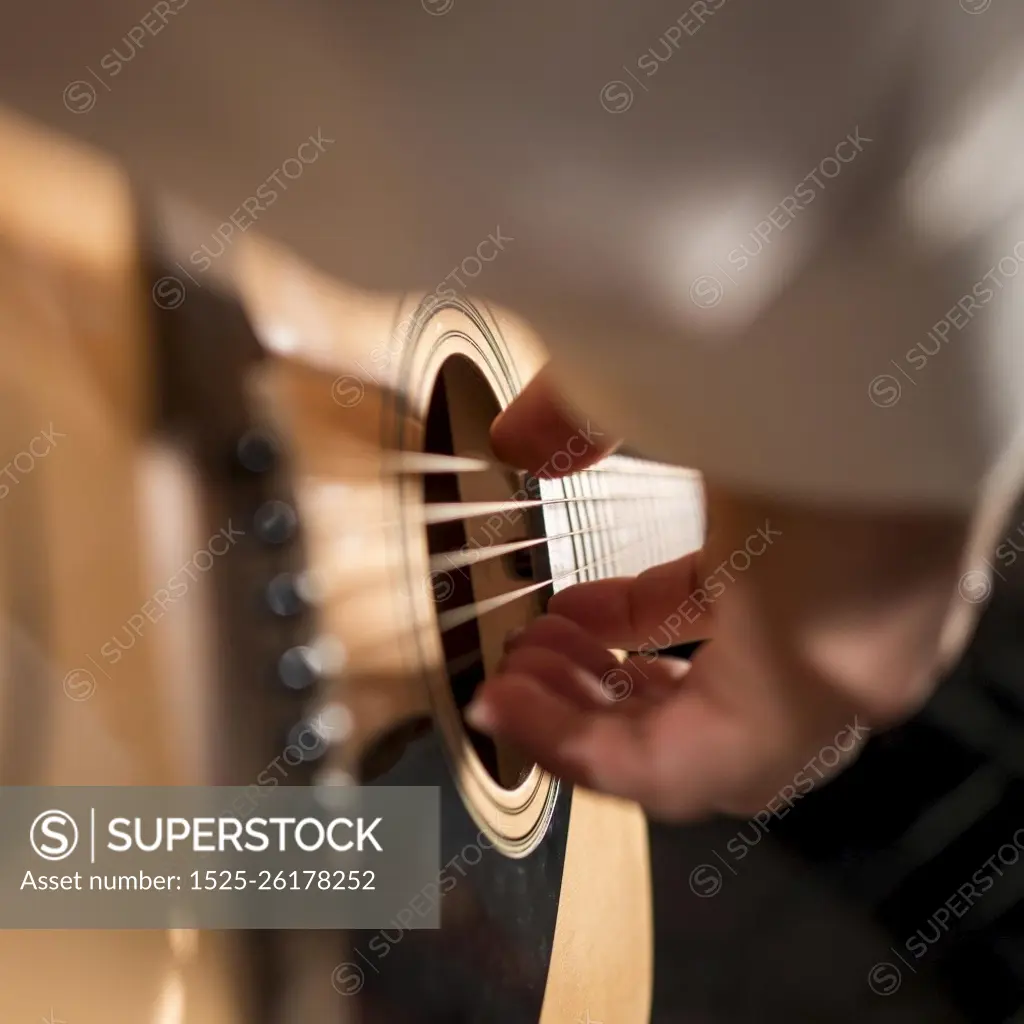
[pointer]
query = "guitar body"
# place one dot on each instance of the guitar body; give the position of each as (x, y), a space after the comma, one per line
(338, 441)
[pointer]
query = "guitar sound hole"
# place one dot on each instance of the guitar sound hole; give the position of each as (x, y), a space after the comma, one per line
(461, 410)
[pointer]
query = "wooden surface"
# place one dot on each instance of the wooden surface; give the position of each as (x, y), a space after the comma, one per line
(606, 879)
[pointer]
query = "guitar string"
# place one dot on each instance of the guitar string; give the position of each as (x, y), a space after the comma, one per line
(449, 511)
(464, 661)
(426, 463)
(456, 617)
(460, 558)
(442, 512)
(435, 513)
(320, 584)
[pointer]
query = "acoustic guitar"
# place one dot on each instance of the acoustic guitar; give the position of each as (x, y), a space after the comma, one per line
(252, 534)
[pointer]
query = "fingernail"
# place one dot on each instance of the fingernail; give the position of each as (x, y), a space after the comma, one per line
(512, 636)
(480, 715)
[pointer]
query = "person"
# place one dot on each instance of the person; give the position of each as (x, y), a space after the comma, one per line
(779, 243)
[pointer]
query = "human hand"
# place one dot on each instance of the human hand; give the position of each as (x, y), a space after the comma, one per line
(831, 631)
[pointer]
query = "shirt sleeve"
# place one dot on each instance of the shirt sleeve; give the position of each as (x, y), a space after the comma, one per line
(779, 243)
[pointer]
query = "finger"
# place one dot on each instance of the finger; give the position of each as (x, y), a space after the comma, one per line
(658, 676)
(639, 681)
(695, 753)
(736, 737)
(659, 608)
(557, 673)
(663, 670)
(568, 638)
(561, 737)
(540, 434)
(640, 678)
(614, 754)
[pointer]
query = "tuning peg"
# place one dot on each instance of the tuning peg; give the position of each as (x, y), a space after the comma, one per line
(275, 522)
(257, 451)
(285, 595)
(301, 667)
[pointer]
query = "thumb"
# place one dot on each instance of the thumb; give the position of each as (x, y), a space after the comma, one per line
(538, 425)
